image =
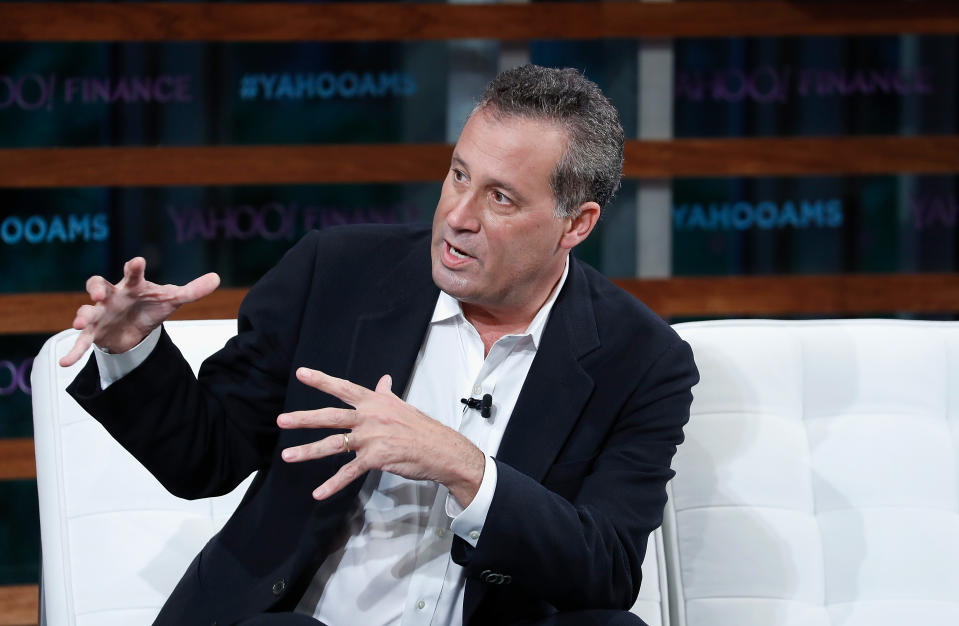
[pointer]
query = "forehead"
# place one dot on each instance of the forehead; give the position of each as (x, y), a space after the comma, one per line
(520, 150)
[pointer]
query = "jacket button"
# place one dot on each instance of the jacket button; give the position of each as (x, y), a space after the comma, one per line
(279, 587)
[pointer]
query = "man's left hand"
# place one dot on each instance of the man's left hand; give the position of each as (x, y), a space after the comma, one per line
(387, 434)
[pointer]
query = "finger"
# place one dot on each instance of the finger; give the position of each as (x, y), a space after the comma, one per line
(347, 391)
(79, 347)
(328, 446)
(198, 288)
(98, 288)
(85, 314)
(329, 417)
(347, 474)
(385, 385)
(133, 271)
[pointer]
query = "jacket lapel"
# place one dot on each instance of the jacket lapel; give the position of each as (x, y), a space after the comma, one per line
(388, 336)
(557, 387)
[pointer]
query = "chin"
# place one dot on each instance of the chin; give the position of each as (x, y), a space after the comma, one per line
(452, 284)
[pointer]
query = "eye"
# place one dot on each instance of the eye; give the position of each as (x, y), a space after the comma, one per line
(458, 175)
(500, 198)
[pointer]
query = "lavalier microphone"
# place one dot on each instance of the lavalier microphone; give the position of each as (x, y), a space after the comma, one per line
(484, 405)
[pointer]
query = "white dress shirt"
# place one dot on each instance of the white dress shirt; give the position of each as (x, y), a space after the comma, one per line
(391, 563)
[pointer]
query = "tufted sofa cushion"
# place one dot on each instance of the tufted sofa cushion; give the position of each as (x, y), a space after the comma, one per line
(819, 481)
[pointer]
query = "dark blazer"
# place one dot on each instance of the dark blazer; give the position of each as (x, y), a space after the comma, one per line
(582, 467)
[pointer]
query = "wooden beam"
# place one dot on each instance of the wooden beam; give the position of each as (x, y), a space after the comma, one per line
(19, 605)
(791, 156)
(222, 165)
(41, 313)
(17, 460)
(843, 294)
(378, 21)
(397, 163)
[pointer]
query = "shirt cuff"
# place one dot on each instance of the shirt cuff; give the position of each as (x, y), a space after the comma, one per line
(113, 367)
(468, 523)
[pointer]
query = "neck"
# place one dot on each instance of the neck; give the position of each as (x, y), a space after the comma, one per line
(493, 323)
(491, 328)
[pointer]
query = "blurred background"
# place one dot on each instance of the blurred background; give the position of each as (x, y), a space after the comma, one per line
(784, 159)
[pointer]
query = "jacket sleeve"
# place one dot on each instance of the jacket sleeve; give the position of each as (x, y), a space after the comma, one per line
(584, 549)
(202, 436)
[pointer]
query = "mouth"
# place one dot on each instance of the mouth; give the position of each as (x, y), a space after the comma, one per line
(459, 254)
(453, 256)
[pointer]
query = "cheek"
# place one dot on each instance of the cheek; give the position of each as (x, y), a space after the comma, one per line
(514, 249)
(540, 239)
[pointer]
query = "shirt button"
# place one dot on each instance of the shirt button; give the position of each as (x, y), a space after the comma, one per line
(474, 534)
(279, 587)
(440, 532)
(477, 390)
(420, 605)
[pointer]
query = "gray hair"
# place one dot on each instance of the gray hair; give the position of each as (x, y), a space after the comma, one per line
(592, 166)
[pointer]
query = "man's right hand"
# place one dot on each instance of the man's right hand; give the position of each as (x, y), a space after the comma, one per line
(125, 313)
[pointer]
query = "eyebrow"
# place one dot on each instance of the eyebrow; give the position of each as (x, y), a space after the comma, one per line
(512, 191)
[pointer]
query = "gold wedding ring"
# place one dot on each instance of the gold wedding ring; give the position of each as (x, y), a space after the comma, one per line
(346, 442)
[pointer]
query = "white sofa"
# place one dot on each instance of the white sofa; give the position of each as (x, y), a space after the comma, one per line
(114, 541)
(819, 481)
(818, 486)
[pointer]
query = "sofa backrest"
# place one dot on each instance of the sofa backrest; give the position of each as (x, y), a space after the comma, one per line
(819, 481)
(114, 541)
(652, 604)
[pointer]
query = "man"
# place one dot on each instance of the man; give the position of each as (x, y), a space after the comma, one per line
(528, 502)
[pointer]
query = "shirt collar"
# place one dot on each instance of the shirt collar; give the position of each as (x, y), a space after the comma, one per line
(447, 307)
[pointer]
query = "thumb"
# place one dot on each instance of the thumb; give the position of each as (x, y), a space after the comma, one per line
(385, 385)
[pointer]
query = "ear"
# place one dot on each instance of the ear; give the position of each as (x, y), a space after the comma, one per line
(580, 226)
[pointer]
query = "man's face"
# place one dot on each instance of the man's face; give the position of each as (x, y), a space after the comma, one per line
(497, 243)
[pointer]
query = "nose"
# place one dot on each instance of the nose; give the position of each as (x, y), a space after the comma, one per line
(464, 213)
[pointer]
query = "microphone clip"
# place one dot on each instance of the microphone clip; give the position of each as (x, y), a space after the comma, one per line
(484, 404)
